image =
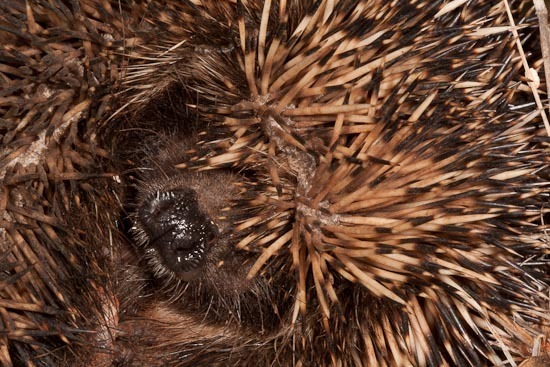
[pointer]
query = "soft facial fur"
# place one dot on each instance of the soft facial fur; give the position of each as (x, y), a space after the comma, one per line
(223, 271)
(212, 191)
(219, 306)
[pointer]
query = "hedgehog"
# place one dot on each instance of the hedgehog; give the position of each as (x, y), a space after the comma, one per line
(272, 183)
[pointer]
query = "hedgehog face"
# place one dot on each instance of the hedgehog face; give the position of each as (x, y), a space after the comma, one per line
(181, 222)
(183, 225)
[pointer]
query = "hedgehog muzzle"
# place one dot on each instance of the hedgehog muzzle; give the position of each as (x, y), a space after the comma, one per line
(178, 229)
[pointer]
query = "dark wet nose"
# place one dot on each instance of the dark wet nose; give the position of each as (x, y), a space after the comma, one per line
(177, 229)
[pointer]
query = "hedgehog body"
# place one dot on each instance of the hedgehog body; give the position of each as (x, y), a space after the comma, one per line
(273, 183)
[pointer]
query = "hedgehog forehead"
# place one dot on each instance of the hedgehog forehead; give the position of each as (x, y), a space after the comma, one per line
(375, 111)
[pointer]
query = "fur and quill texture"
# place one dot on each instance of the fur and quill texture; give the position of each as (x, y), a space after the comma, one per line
(271, 183)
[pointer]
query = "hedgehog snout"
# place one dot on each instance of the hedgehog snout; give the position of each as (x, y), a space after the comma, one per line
(178, 229)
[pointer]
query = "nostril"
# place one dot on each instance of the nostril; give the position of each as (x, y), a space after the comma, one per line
(178, 229)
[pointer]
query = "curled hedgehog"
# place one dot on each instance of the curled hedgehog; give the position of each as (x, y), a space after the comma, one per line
(271, 183)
